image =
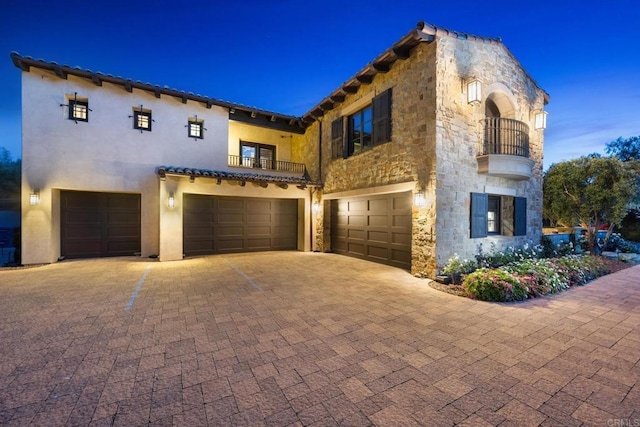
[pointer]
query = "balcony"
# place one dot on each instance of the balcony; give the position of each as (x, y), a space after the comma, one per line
(266, 164)
(506, 149)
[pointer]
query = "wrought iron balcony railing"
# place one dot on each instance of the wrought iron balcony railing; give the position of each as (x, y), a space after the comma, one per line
(506, 136)
(268, 164)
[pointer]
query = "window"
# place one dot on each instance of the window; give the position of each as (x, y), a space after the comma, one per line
(195, 129)
(365, 128)
(257, 155)
(493, 215)
(78, 110)
(503, 215)
(142, 119)
(360, 130)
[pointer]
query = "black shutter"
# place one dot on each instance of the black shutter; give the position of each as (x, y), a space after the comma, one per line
(337, 137)
(520, 216)
(382, 117)
(479, 207)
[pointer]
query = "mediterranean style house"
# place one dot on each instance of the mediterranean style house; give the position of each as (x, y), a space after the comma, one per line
(431, 149)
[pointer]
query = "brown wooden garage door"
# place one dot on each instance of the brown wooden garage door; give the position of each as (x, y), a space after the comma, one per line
(376, 228)
(99, 224)
(217, 224)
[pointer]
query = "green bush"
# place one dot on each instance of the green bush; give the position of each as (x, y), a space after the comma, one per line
(547, 278)
(493, 285)
(531, 278)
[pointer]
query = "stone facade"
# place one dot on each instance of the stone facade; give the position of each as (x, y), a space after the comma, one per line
(436, 138)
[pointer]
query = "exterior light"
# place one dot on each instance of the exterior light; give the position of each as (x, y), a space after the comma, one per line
(172, 201)
(540, 120)
(474, 91)
(316, 207)
(34, 198)
(419, 199)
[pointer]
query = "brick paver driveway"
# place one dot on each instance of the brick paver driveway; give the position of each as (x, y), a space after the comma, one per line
(296, 338)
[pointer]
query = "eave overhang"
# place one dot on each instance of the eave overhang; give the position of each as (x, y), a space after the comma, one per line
(239, 112)
(401, 50)
(193, 173)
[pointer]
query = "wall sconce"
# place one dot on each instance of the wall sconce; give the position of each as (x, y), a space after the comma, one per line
(172, 201)
(34, 198)
(419, 199)
(316, 207)
(474, 91)
(540, 120)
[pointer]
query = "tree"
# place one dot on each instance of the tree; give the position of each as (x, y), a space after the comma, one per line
(9, 175)
(625, 149)
(589, 191)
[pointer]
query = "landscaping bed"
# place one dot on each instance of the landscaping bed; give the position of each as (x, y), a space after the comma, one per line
(519, 274)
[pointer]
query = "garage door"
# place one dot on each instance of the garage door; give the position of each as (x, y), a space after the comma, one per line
(217, 224)
(99, 224)
(376, 228)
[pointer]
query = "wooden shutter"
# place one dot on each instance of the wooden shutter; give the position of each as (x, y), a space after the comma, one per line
(520, 216)
(479, 207)
(382, 117)
(337, 138)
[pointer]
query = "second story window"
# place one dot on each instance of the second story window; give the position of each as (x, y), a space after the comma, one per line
(142, 119)
(365, 128)
(360, 137)
(195, 128)
(79, 110)
(257, 155)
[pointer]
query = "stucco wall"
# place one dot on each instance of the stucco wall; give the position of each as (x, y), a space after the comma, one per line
(459, 139)
(103, 154)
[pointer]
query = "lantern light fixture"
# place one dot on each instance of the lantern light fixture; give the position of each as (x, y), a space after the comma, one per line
(34, 198)
(419, 199)
(172, 201)
(540, 120)
(316, 207)
(474, 91)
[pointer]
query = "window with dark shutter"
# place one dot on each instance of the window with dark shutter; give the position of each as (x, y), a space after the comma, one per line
(520, 216)
(382, 117)
(337, 139)
(479, 209)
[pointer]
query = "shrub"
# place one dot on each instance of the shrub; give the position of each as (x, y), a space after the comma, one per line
(552, 250)
(495, 258)
(493, 285)
(455, 267)
(544, 276)
(617, 243)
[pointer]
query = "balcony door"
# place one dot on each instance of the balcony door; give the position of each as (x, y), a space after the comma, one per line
(257, 155)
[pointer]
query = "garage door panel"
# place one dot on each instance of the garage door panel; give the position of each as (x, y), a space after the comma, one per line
(356, 248)
(381, 253)
(377, 228)
(258, 218)
(402, 203)
(378, 236)
(355, 220)
(378, 204)
(131, 231)
(357, 205)
(401, 239)
(99, 224)
(259, 244)
(401, 221)
(241, 224)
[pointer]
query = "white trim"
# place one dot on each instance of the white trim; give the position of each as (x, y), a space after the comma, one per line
(384, 189)
(500, 191)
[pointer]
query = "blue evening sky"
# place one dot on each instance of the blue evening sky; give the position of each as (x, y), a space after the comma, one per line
(285, 55)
